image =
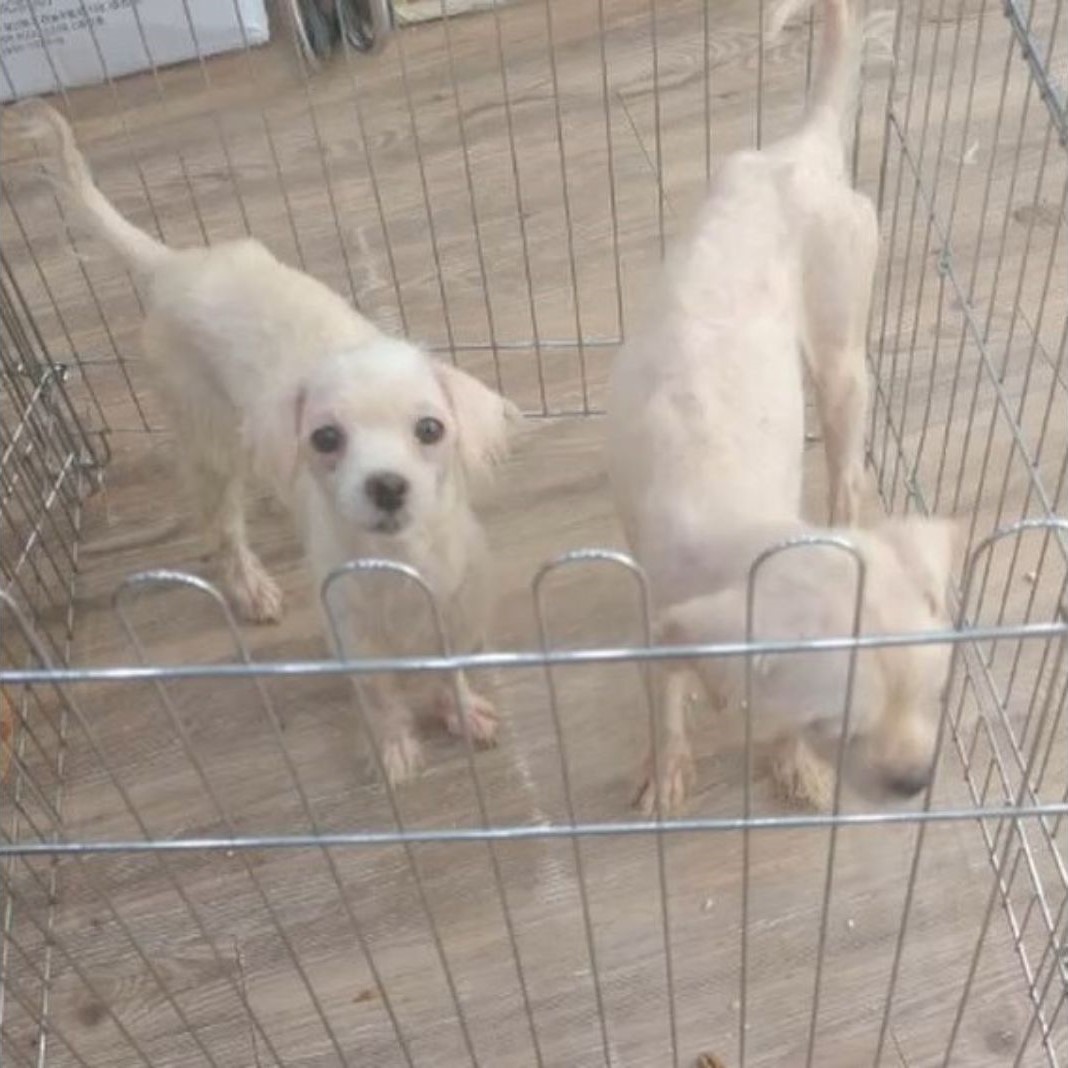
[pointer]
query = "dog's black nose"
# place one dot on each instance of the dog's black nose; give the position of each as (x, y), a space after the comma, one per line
(387, 490)
(909, 783)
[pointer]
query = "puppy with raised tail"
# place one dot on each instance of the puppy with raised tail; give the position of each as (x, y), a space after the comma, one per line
(373, 445)
(705, 446)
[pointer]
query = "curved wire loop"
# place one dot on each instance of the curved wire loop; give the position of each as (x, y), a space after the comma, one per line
(71, 707)
(844, 545)
(354, 570)
(981, 549)
(619, 561)
(141, 581)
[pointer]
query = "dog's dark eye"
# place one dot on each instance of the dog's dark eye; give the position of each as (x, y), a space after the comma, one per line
(327, 439)
(429, 430)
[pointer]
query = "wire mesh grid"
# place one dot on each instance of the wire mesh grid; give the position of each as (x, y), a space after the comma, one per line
(195, 870)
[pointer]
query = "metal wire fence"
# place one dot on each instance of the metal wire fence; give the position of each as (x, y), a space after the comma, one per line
(190, 872)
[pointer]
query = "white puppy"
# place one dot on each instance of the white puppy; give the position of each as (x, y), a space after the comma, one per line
(705, 454)
(372, 444)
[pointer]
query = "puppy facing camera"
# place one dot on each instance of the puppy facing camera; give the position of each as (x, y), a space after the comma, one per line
(373, 446)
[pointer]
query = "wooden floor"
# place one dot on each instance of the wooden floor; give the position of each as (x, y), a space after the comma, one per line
(254, 957)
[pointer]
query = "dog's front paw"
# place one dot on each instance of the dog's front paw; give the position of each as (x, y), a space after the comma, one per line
(481, 717)
(801, 778)
(256, 596)
(402, 758)
(671, 787)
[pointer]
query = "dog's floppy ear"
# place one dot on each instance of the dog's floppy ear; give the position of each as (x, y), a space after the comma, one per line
(273, 437)
(483, 420)
(925, 548)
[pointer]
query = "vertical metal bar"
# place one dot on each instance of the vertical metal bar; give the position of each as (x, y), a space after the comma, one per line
(39, 413)
(836, 806)
(917, 302)
(70, 706)
(858, 117)
(761, 22)
(1025, 390)
(140, 173)
(811, 542)
(996, 891)
(432, 230)
(328, 183)
(954, 201)
(43, 1024)
(476, 780)
(358, 567)
(992, 296)
(472, 201)
(747, 812)
(970, 293)
(71, 419)
(119, 111)
(706, 71)
(1055, 976)
(120, 360)
(545, 645)
(891, 126)
(272, 148)
(1040, 73)
(565, 194)
(1008, 415)
(373, 177)
(215, 116)
(602, 37)
(165, 578)
(889, 493)
(658, 142)
(51, 939)
(54, 306)
(28, 736)
(944, 722)
(520, 208)
(1017, 298)
(221, 810)
(164, 101)
(1047, 541)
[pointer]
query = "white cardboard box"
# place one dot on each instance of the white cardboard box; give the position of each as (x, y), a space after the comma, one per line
(45, 44)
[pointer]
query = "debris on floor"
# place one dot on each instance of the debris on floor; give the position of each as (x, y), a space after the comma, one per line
(709, 1060)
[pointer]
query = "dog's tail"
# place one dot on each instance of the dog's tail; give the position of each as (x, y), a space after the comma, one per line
(69, 172)
(837, 78)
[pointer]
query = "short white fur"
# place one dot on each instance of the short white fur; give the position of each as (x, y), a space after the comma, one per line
(705, 442)
(251, 357)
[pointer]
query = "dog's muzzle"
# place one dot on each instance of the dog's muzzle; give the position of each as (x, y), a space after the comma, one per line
(391, 523)
(388, 491)
(908, 783)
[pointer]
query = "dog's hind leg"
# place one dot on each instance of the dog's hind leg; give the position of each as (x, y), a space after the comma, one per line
(840, 249)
